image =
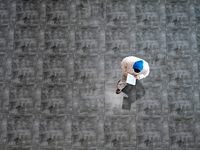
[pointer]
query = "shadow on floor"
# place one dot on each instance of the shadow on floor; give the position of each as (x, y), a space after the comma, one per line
(134, 93)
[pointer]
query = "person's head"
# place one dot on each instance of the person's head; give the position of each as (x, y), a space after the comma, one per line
(136, 70)
(138, 66)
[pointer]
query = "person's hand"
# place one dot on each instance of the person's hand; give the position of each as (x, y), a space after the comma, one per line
(135, 76)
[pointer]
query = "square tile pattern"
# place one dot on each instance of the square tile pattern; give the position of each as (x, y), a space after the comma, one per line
(61, 61)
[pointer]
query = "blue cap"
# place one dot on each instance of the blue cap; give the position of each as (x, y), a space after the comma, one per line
(138, 65)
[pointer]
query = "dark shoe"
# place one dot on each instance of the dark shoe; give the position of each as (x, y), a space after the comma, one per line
(118, 91)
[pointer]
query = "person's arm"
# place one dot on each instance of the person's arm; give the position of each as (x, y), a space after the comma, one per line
(144, 75)
(124, 65)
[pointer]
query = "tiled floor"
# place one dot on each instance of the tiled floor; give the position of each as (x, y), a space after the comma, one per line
(60, 64)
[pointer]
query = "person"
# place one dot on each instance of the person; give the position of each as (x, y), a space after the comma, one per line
(138, 67)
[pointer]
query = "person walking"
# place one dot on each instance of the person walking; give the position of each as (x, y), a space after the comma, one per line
(135, 66)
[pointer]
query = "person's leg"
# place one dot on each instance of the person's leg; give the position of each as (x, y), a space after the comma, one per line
(122, 82)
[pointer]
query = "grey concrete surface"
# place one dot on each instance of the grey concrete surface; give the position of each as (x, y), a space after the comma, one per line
(60, 64)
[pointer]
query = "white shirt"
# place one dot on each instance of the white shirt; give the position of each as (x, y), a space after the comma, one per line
(127, 67)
